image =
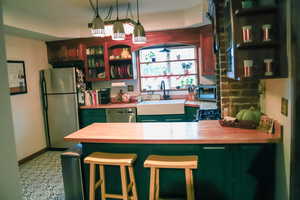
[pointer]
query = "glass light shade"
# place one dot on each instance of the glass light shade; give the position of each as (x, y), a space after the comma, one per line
(139, 36)
(118, 31)
(97, 28)
(128, 28)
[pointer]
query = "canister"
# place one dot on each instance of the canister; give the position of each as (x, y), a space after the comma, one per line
(267, 32)
(248, 68)
(268, 67)
(247, 33)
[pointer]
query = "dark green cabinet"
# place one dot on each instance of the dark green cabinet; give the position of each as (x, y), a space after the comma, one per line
(190, 113)
(225, 172)
(253, 171)
(215, 166)
(161, 118)
(89, 116)
(188, 116)
(149, 118)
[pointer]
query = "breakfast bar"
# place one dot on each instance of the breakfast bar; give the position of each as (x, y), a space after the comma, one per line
(233, 163)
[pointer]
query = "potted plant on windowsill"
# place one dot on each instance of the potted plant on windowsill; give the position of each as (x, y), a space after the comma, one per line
(150, 57)
(186, 67)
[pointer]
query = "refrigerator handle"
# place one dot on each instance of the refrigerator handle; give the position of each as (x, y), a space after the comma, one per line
(44, 91)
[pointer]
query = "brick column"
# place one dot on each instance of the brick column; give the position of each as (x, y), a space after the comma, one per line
(234, 95)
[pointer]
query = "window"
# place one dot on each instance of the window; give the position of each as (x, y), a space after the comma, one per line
(176, 66)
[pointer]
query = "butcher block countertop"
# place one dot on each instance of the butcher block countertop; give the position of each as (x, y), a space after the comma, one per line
(203, 132)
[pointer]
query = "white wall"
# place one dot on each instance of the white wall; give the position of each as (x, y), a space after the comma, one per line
(26, 108)
(9, 174)
(271, 105)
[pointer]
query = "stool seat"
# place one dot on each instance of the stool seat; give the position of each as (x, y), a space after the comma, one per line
(180, 162)
(124, 161)
(111, 158)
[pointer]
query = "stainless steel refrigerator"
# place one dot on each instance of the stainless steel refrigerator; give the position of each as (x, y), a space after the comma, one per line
(60, 105)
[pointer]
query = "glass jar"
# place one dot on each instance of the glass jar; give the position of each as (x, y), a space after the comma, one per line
(268, 67)
(267, 32)
(248, 68)
(247, 34)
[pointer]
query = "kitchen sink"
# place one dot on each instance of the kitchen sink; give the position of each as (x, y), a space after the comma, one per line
(161, 107)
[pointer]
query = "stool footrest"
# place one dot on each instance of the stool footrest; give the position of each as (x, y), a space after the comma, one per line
(98, 184)
(129, 187)
(116, 196)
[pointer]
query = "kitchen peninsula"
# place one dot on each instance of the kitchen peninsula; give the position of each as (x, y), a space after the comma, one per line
(233, 163)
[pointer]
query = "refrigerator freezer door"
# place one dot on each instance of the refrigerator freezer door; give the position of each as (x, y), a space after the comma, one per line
(62, 118)
(60, 80)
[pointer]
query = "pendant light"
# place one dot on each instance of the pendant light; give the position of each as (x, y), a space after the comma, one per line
(139, 36)
(97, 25)
(118, 28)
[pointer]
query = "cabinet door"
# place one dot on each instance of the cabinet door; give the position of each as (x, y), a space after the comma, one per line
(62, 52)
(190, 113)
(214, 168)
(89, 116)
(254, 170)
(208, 57)
(161, 118)
(173, 118)
(149, 118)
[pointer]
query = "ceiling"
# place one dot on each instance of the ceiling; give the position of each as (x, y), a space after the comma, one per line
(59, 19)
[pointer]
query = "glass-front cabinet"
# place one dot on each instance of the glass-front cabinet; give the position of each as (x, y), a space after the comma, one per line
(120, 62)
(175, 65)
(95, 63)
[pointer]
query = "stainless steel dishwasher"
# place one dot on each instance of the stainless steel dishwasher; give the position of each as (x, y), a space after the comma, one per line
(121, 115)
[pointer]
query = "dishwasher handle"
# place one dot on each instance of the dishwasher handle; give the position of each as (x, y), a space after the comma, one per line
(131, 117)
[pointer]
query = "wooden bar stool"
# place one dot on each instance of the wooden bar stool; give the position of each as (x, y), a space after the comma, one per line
(154, 162)
(122, 160)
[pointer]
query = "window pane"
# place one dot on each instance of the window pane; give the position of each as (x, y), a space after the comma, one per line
(154, 83)
(154, 69)
(181, 82)
(153, 55)
(174, 82)
(185, 67)
(176, 74)
(168, 68)
(182, 53)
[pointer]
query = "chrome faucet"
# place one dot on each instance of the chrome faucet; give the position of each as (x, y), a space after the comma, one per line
(163, 88)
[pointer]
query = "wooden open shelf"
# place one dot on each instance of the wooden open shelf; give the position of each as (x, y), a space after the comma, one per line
(255, 10)
(256, 45)
(120, 60)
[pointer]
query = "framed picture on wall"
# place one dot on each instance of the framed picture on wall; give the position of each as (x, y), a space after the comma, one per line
(16, 77)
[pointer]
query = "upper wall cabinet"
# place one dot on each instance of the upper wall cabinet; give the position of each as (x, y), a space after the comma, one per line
(61, 52)
(208, 57)
(120, 62)
(105, 59)
(255, 39)
(95, 67)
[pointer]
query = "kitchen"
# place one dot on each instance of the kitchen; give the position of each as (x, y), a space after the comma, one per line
(30, 143)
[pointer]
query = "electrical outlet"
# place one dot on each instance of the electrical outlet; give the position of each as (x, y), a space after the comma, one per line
(284, 106)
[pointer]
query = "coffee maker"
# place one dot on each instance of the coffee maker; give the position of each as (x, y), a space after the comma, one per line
(104, 95)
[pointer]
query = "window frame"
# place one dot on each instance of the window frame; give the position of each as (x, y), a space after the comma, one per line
(196, 59)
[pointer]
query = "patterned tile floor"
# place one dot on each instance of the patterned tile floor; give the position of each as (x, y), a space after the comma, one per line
(41, 178)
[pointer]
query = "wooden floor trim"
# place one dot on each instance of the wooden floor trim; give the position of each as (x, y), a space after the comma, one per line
(32, 156)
